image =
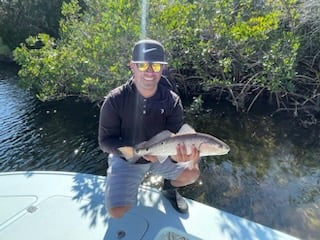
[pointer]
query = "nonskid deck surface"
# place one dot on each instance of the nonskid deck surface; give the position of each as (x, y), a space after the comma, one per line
(63, 205)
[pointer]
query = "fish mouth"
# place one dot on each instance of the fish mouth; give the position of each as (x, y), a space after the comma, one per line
(209, 149)
(227, 148)
(226, 151)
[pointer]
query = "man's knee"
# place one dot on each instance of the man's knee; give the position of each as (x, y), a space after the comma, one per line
(118, 212)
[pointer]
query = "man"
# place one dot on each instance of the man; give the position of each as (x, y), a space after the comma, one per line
(133, 113)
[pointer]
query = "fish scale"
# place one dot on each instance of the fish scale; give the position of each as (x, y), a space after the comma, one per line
(165, 144)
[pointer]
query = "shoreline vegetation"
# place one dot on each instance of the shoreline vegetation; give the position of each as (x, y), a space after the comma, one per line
(240, 51)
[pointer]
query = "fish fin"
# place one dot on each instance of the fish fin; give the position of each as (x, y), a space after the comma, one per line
(162, 158)
(186, 128)
(141, 145)
(127, 152)
(155, 139)
(134, 159)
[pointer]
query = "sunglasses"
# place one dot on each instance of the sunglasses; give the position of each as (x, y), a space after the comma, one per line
(156, 67)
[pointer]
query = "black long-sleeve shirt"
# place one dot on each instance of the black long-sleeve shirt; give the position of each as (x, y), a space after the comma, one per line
(127, 118)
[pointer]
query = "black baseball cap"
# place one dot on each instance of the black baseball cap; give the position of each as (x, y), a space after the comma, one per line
(148, 51)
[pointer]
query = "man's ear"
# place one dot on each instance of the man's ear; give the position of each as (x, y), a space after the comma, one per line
(131, 65)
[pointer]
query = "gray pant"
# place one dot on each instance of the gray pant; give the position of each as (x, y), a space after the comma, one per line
(123, 179)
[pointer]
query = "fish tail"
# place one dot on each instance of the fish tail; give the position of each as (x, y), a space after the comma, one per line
(127, 152)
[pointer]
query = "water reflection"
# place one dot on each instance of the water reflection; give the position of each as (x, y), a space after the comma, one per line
(47, 136)
(271, 174)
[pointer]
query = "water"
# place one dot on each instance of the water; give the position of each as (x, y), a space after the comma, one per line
(270, 176)
(47, 136)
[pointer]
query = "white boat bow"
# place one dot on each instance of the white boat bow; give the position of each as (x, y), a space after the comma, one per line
(63, 205)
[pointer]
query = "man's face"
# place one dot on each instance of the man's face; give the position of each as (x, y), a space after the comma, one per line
(146, 75)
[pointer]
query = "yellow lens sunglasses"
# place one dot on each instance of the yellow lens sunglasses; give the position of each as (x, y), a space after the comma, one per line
(156, 67)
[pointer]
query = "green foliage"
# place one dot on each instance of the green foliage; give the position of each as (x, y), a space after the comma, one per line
(90, 58)
(224, 42)
(279, 65)
(22, 18)
(41, 66)
(196, 107)
(237, 48)
(236, 45)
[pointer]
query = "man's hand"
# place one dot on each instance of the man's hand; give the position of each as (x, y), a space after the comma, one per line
(182, 155)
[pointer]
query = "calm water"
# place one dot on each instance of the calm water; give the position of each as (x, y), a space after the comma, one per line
(271, 175)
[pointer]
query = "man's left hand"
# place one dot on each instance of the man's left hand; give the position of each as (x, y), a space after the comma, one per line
(182, 155)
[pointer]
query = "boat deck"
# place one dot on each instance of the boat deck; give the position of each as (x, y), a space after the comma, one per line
(63, 205)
